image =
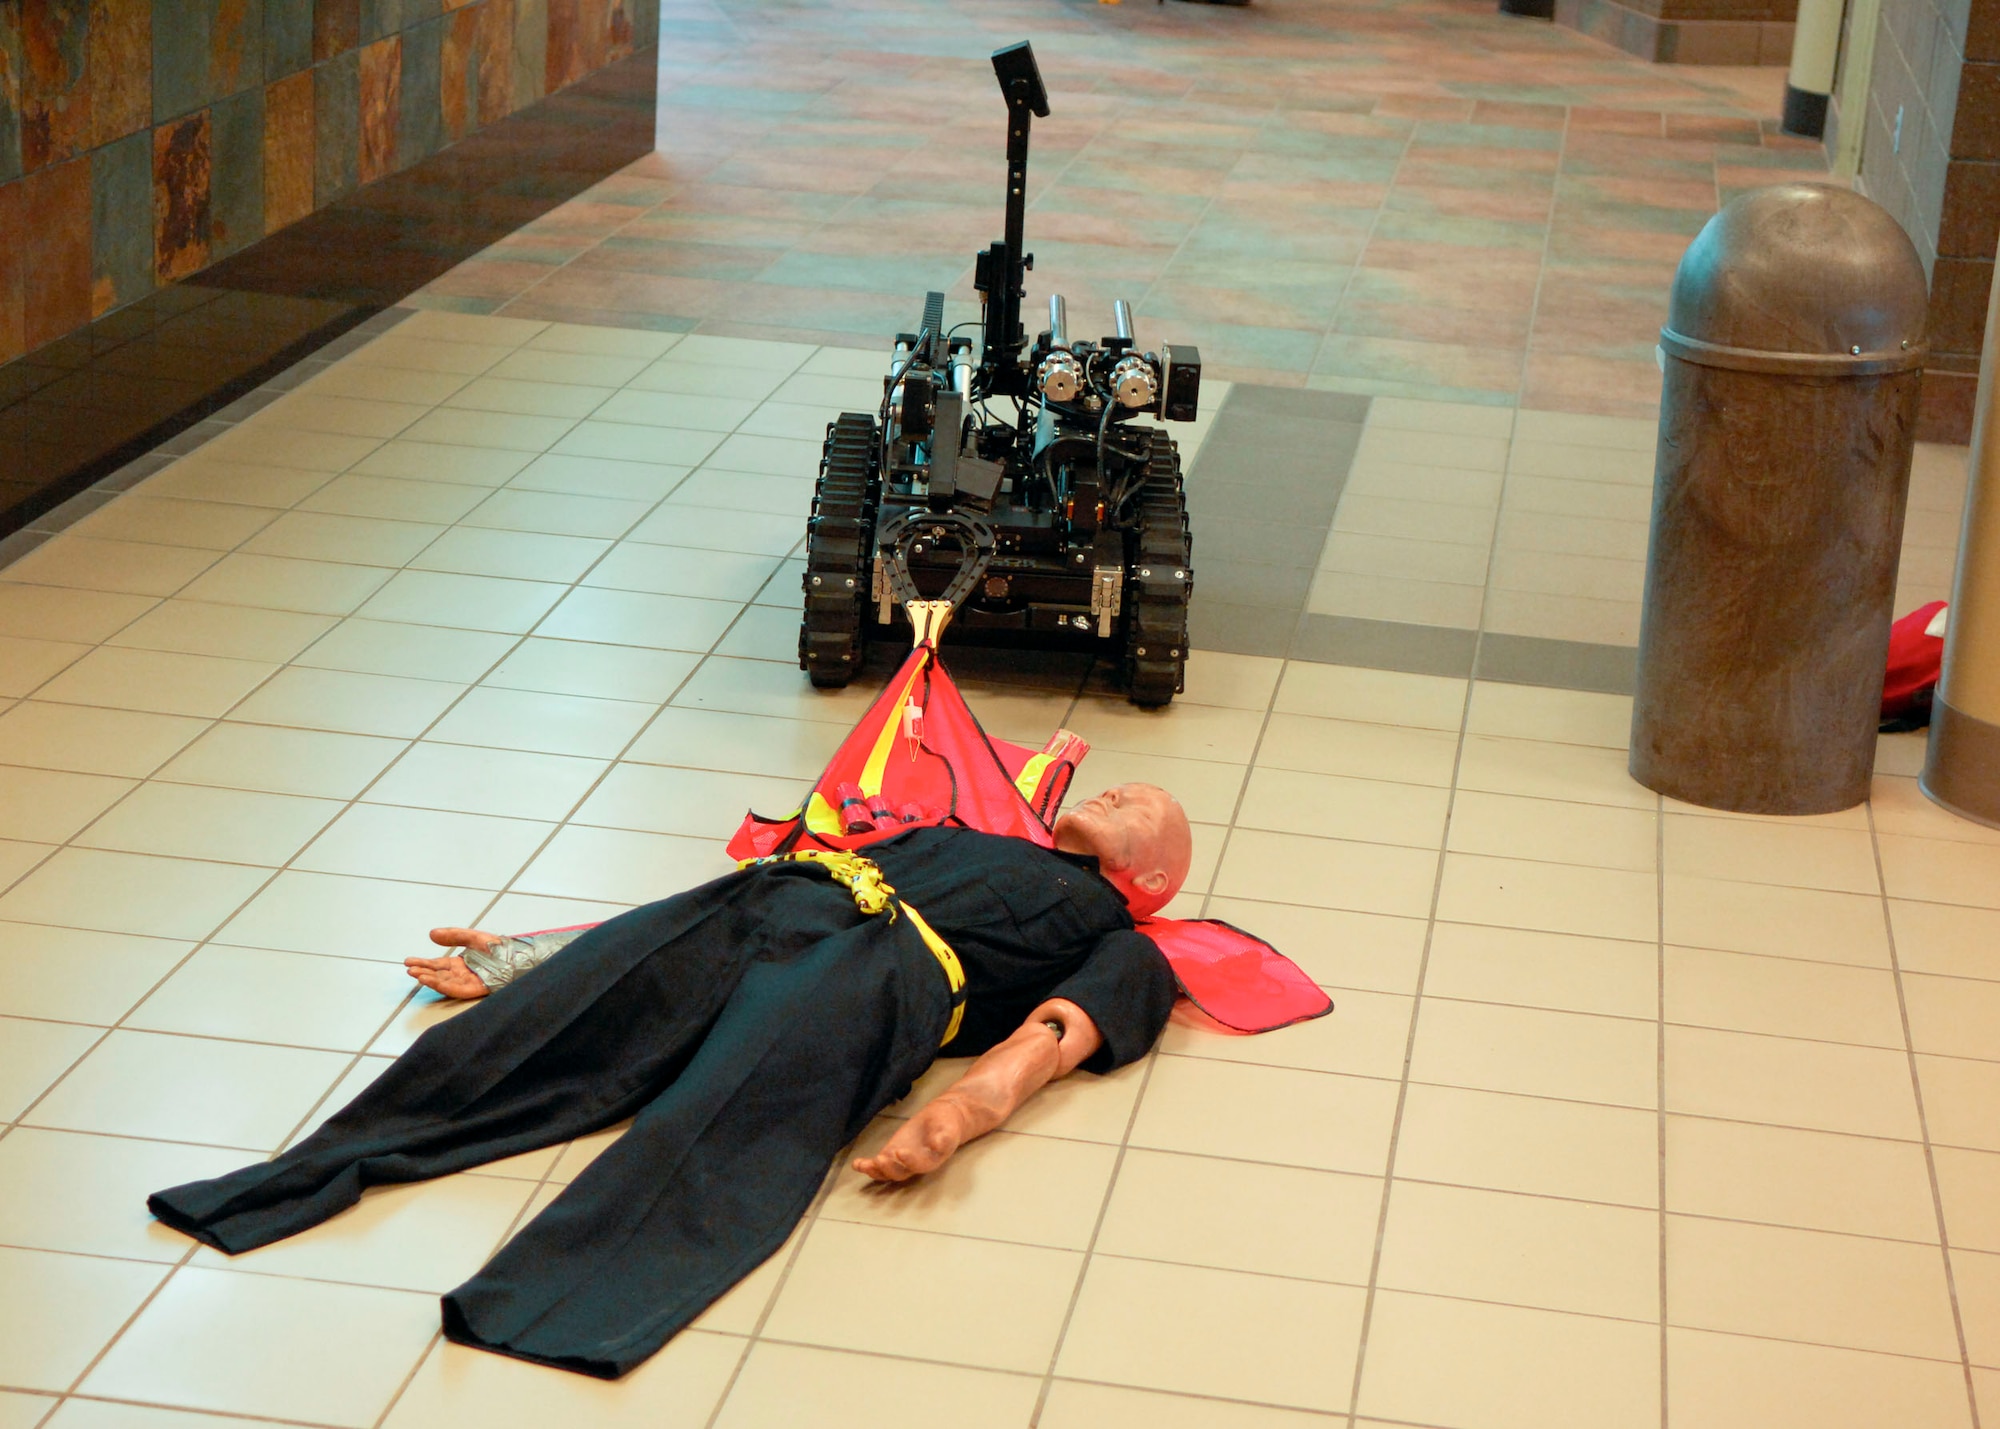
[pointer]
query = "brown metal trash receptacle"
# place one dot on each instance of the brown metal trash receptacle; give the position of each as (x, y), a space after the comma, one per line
(1793, 350)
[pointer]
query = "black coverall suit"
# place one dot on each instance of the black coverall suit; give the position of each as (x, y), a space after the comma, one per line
(750, 1027)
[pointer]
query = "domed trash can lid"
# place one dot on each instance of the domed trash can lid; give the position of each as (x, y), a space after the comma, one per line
(1802, 278)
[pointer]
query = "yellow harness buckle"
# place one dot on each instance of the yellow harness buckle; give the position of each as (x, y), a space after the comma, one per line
(872, 894)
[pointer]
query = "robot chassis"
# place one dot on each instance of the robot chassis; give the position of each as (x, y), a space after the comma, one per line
(1065, 527)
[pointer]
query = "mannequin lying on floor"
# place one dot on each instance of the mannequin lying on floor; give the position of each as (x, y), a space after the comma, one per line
(1140, 837)
(751, 1028)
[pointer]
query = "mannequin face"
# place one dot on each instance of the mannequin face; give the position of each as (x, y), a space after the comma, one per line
(1140, 837)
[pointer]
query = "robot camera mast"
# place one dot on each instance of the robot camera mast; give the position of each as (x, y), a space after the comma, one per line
(1000, 273)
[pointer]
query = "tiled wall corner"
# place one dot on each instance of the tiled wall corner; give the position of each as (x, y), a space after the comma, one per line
(56, 273)
(381, 107)
(336, 28)
(236, 186)
(10, 100)
(288, 37)
(13, 299)
(53, 85)
(183, 165)
(143, 139)
(121, 69)
(531, 50)
(289, 151)
(496, 59)
(121, 222)
(419, 114)
(336, 128)
(458, 74)
(1931, 156)
(1698, 32)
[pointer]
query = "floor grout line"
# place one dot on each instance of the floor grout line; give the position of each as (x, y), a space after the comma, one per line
(1923, 1129)
(1660, 1078)
(1090, 1247)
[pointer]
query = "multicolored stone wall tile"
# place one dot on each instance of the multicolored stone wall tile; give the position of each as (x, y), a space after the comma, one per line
(235, 46)
(10, 95)
(55, 279)
(204, 50)
(458, 73)
(288, 150)
(420, 119)
(171, 133)
(180, 30)
(183, 168)
(236, 185)
(576, 30)
(121, 222)
(381, 104)
(624, 28)
(288, 37)
(13, 273)
(121, 68)
(496, 60)
(531, 51)
(336, 28)
(1971, 199)
(9, 103)
(645, 21)
(382, 18)
(336, 128)
(54, 88)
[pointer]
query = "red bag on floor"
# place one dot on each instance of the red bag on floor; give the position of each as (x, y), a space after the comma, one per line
(1916, 659)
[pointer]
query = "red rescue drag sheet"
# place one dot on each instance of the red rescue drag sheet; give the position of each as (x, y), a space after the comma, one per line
(918, 757)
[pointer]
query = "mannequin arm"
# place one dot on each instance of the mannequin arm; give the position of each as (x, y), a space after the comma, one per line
(992, 1089)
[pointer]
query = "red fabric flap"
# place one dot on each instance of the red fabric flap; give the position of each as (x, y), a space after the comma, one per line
(1236, 978)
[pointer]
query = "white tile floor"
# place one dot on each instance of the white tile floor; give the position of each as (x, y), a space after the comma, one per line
(1535, 523)
(487, 624)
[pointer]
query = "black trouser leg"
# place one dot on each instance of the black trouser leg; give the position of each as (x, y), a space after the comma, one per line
(716, 1171)
(575, 1045)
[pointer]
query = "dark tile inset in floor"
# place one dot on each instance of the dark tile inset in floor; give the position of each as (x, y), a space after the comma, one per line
(1385, 645)
(1446, 650)
(1560, 664)
(79, 409)
(1261, 496)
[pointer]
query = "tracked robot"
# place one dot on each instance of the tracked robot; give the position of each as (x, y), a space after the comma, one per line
(1061, 523)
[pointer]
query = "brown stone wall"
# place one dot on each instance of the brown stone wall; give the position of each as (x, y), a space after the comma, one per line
(143, 139)
(1930, 154)
(1712, 32)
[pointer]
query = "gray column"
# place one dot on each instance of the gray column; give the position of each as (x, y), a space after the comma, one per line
(1962, 770)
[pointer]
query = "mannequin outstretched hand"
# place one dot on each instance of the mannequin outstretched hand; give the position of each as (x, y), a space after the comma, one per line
(450, 975)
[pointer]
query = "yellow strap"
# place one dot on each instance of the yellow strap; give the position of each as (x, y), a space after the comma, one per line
(954, 970)
(858, 875)
(873, 894)
(878, 757)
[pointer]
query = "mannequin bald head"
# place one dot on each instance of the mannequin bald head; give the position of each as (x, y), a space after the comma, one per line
(1141, 839)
